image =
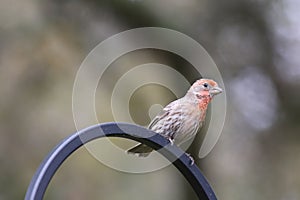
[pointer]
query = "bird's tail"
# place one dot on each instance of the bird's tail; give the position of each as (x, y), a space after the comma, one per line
(140, 150)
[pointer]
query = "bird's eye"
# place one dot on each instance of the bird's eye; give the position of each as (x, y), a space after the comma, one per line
(205, 85)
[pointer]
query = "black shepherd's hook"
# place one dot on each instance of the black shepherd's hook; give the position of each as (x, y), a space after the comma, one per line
(52, 162)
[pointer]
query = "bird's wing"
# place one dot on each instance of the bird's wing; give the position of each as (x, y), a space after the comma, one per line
(164, 113)
(160, 116)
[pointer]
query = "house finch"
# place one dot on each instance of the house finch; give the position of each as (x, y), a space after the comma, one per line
(180, 120)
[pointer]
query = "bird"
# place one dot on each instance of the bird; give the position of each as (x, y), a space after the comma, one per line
(180, 120)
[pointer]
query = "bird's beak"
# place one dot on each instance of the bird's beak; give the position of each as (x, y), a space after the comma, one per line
(215, 90)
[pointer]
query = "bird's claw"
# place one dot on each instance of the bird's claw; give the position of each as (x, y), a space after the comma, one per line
(192, 161)
(171, 141)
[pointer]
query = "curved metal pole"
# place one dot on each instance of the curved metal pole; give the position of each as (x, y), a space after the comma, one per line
(51, 163)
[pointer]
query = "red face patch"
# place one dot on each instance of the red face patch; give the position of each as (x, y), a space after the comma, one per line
(209, 81)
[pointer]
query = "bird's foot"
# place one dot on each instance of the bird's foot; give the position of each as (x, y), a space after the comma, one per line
(171, 141)
(192, 161)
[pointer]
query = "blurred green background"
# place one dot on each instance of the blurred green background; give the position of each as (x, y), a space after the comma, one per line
(255, 44)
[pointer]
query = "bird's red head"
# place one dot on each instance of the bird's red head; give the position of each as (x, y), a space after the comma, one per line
(202, 91)
(206, 87)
